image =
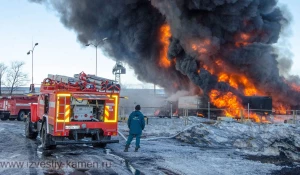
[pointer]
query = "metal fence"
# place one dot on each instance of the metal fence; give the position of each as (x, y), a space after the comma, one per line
(240, 115)
(147, 111)
(253, 115)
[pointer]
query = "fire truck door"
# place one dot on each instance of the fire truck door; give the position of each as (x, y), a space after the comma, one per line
(5, 105)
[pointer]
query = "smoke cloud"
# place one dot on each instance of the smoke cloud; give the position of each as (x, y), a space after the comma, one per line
(210, 39)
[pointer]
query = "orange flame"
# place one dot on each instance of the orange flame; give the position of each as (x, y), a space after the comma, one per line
(281, 109)
(242, 40)
(236, 80)
(228, 101)
(165, 35)
(232, 104)
(210, 70)
(295, 87)
(219, 62)
(202, 47)
(245, 36)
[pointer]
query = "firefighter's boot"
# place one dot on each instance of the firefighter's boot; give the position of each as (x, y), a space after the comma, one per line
(136, 149)
(126, 148)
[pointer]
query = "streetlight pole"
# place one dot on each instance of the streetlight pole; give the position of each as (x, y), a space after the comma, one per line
(96, 58)
(96, 46)
(32, 86)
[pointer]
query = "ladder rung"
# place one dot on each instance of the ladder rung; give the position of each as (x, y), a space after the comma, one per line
(64, 123)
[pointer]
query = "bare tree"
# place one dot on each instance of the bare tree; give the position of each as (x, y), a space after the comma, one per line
(15, 76)
(2, 72)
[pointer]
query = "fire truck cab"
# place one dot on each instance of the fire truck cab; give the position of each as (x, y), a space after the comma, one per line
(15, 106)
(74, 111)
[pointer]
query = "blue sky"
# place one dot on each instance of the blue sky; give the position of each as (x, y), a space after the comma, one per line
(59, 52)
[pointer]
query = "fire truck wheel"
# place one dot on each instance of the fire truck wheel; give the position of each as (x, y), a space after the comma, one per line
(28, 129)
(5, 117)
(100, 145)
(46, 138)
(21, 116)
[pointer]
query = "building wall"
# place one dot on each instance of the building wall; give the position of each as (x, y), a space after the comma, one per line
(147, 98)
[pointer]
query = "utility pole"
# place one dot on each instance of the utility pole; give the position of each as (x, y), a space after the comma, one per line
(96, 46)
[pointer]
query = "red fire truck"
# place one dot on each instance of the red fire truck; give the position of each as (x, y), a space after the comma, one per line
(79, 110)
(15, 106)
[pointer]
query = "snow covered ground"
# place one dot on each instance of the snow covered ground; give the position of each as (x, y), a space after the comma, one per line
(168, 146)
(199, 146)
(160, 127)
(250, 138)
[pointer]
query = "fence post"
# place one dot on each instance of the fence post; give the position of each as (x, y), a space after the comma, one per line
(171, 110)
(208, 111)
(294, 117)
(248, 111)
(185, 116)
(242, 115)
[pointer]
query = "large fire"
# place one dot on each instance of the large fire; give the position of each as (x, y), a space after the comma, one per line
(165, 35)
(227, 101)
(231, 104)
(236, 80)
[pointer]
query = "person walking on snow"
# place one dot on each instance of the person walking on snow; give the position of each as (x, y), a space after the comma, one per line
(136, 123)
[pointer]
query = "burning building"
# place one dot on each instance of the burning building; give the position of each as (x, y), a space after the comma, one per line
(219, 49)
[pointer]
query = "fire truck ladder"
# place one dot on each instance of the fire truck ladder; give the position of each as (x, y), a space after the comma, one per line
(60, 113)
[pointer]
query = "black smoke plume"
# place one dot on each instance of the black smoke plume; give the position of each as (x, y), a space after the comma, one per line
(240, 33)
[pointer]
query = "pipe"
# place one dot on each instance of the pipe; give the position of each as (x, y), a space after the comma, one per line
(156, 138)
(122, 135)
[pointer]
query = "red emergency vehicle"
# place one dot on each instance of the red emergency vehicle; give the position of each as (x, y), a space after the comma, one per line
(78, 110)
(15, 106)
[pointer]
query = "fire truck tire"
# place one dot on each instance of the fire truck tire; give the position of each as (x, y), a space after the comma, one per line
(28, 129)
(46, 138)
(5, 117)
(100, 145)
(21, 116)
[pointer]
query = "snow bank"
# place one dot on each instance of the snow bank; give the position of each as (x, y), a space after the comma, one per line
(251, 138)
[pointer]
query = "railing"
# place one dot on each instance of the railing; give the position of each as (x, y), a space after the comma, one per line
(80, 82)
(241, 115)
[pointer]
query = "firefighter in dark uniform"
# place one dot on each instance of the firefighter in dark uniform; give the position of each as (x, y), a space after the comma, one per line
(136, 123)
